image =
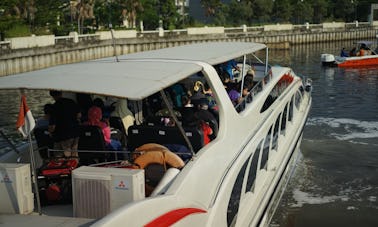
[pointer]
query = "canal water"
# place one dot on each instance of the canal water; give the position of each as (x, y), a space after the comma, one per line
(335, 182)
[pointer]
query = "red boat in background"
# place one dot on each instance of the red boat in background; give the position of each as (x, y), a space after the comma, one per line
(361, 55)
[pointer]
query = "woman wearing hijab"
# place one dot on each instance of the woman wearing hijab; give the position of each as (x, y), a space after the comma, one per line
(94, 119)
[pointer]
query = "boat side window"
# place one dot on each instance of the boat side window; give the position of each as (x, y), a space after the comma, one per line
(301, 89)
(253, 168)
(298, 99)
(291, 110)
(265, 152)
(188, 99)
(278, 89)
(284, 119)
(276, 133)
(233, 203)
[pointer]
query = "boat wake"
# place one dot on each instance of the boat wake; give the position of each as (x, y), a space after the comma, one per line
(336, 172)
(344, 129)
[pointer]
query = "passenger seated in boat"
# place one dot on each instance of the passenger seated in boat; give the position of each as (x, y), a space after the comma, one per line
(344, 53)
(213, 108)
(100, 104)
(202, 113)
(167, 121)
(198, 92)
(353, 52)
(43, 122)
(249, 77)
(364, 51)
(192, 120)
(177, 91)
(187, 111)
(229, 66)
(164, 112)
(234, 94)
(225, 78)
(122, 111)
(94, 119)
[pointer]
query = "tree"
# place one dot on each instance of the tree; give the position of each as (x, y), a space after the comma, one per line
(282, 11)
(239, 12)
(262, 10)
(49, 15)
(320, 7)
(150, 14)
(168, 13)
(303, 11)
(211, 7)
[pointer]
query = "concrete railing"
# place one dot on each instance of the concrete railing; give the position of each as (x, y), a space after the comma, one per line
(74, 37)
(76, 48)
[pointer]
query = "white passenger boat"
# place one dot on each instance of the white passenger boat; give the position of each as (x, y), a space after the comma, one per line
(235, 180)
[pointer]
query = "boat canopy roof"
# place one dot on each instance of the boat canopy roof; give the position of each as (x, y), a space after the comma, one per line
(212, 53)
(367, 43)
(134, 76)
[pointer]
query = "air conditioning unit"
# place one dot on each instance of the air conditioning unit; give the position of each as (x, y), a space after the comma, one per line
(98, 191)
(15, 189)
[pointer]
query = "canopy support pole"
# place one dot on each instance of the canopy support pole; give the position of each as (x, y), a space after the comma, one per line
(179, 126)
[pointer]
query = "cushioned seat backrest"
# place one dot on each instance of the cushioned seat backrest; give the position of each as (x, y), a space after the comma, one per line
(116, 122)
(91, 138)
(142, 134)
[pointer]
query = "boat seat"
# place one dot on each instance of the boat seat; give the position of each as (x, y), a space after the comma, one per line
(91, 139)
(44, 141)
(142, 134)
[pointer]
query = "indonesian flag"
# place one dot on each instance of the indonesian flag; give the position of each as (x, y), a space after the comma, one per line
(25, 122)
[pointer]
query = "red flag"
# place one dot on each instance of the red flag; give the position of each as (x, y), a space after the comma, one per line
(25, 122)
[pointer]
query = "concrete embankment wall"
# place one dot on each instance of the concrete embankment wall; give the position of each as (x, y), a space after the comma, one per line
(65, 51)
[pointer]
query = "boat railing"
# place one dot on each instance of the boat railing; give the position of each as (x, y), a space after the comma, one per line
(124, 156)
(257, 88)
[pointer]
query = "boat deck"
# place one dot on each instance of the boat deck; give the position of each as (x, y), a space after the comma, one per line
(52, 216)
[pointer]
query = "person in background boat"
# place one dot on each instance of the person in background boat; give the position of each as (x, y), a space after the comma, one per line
(94, 119)
(344, 53)
(43, 122)
(229, 66)
(122, 111)
(364, 51)
(64, 125)
(353, 52)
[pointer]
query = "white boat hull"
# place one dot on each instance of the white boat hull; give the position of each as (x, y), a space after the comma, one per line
(236, 179)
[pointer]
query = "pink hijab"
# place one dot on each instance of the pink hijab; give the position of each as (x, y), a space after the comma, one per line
(95, 116)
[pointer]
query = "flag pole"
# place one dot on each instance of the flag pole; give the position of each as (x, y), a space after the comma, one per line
(31, 153)
(35, 182)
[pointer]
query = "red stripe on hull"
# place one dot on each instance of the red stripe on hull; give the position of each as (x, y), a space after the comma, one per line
(359, 62)
(173, 216)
